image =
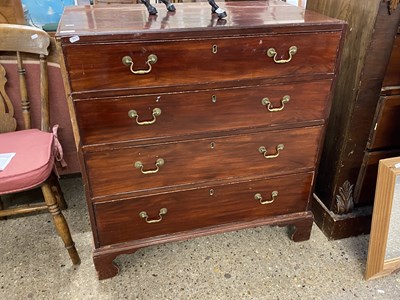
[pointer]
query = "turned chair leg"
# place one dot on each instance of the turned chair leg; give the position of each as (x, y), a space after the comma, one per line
(57, 192)
(60, 222)
(1, 208)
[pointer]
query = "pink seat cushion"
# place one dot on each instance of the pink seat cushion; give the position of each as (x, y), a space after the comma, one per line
(32, 163)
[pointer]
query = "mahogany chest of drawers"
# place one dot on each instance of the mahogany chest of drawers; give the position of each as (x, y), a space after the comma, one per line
(188, 125)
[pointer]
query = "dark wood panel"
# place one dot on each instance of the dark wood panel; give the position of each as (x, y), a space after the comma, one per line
(361, 18)
(187, 62)
(392, 76)
(187, 113)
(119, 221)
(341, 226)
(365, 57)
(386, 131)
(369, 93)
(366, 183)
(197, 161)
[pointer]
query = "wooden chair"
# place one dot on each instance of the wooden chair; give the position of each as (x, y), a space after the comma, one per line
(11, 12)
(35, 149)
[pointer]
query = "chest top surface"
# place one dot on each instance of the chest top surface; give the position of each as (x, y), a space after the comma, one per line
(271, 15)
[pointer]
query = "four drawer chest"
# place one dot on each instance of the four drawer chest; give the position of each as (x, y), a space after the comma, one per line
(188, 125)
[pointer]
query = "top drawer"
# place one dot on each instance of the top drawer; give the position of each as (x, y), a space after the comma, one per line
(99, 66)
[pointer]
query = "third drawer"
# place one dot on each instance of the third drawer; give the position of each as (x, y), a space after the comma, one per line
(166, 165)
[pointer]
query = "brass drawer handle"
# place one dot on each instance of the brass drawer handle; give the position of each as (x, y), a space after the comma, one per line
(272, 53)
(143, 215)
(133, 114)
(151, 60)
(269, 106)
(139, 165)
(264, 151)
(258, 197)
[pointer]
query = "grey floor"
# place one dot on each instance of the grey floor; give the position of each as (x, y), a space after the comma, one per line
(259, 263)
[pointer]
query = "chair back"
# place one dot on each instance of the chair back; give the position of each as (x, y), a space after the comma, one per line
(21, 42)
(11, 12)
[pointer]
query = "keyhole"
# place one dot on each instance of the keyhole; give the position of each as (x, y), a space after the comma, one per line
(214, 49)
(211, 192)
(212, 145)
(214, 98)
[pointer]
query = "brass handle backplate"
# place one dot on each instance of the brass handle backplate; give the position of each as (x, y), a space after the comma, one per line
(151, 60)
(144, 215)
(264, 151)
(258, 197)
(134, 115)
(269, 106)
(272, 53)
(139, 165)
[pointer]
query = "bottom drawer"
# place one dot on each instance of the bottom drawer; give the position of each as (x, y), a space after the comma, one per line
(125, 220)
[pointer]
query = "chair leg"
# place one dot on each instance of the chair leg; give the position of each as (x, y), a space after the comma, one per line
(1, 208)
(60, 222)
(57, 192)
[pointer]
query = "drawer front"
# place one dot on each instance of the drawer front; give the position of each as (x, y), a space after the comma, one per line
(114, 172)
(392, 76)
(119, 221)
(187, 113)
(366, 182)
(100, 66)
(385, 132)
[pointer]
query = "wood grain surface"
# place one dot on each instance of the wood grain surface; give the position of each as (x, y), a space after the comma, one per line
(119, 221)
(200, 112)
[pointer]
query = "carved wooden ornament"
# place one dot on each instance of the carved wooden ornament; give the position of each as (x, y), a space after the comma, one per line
(7, 121)
(344, 201)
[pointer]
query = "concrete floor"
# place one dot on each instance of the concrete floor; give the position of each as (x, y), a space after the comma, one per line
(259, 263)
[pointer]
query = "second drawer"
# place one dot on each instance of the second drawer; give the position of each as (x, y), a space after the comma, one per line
(159, 166)
(155, 215)
(175, 114)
